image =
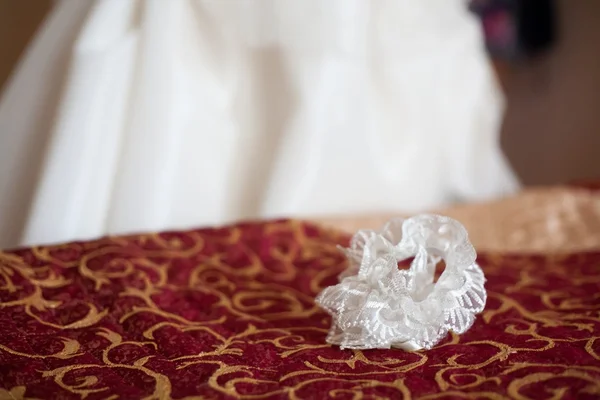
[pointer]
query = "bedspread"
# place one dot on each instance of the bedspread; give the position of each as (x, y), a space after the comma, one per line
(229, 313)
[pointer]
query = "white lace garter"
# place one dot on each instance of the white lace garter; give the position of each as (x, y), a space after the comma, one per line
(376, 304)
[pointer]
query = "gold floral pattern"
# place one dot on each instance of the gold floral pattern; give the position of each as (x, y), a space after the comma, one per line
(229, 313)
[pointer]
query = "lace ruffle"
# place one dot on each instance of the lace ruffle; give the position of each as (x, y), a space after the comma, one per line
(378, 305)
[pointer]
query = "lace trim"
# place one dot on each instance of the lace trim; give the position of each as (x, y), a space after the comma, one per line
(378, 305)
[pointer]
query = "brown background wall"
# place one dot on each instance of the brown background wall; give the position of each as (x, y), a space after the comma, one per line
(18, 21)
(551, 131)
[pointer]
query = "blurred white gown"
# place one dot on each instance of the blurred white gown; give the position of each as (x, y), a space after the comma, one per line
(137, 115)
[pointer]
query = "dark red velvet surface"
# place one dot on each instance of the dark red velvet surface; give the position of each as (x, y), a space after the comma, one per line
(226, 313)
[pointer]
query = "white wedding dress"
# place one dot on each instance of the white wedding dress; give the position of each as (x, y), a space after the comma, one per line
(138, 115)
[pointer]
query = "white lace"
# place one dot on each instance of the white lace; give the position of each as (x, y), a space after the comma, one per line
(378, 305)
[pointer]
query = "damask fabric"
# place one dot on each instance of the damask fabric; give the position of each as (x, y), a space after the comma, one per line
(228, 313)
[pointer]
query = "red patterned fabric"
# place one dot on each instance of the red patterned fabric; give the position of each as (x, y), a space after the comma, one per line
(228, 313)
(593, 185)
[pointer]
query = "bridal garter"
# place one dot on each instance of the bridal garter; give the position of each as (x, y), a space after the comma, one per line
(378, 304)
